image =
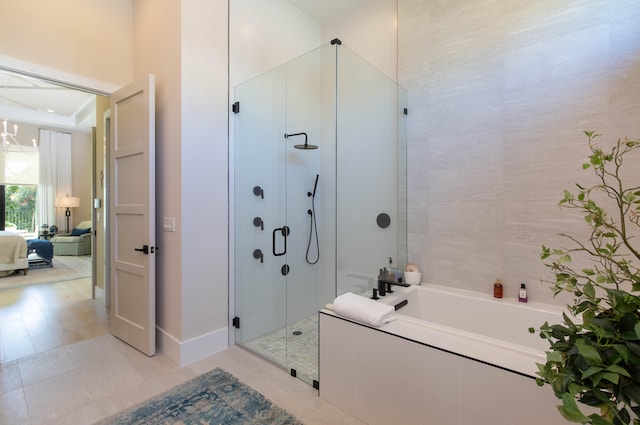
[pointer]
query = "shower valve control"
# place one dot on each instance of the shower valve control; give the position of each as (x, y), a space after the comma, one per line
(257, 254)
(258, 191)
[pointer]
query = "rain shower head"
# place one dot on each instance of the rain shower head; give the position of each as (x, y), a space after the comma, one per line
(306, 145)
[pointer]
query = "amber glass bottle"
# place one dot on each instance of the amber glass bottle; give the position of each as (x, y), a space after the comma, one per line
(497, 289)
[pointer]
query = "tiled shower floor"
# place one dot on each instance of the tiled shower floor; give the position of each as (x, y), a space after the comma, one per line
(288, 348)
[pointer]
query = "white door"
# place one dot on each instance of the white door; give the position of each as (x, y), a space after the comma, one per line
(132, 215)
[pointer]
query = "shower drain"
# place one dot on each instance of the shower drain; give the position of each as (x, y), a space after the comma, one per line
(297, 332)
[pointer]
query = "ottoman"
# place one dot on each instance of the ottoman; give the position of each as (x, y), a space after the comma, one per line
(43, 251)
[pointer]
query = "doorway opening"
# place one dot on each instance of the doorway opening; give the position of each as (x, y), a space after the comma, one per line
(29, 103)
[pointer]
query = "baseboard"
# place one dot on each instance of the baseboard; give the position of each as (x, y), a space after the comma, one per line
(184, 353)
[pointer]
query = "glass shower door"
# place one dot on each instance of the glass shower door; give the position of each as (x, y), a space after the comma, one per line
(310, 114)
(320, 197)
(260, 216)
(284, 249)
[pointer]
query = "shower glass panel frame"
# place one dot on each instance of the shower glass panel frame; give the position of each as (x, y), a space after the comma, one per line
(334, 100)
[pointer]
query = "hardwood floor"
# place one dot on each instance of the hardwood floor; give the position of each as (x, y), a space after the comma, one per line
(60, 365)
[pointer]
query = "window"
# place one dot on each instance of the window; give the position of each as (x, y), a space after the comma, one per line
(20, 207)
(19, 170)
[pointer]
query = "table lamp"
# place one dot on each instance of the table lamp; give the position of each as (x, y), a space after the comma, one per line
(67, 202)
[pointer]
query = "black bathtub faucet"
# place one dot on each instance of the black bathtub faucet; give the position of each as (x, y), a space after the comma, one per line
(384, 286)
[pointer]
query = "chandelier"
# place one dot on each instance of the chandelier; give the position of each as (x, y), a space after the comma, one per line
(9, 139)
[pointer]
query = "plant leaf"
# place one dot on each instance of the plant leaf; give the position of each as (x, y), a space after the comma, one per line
(633, 391)
(591, 371)
(623, 351)
(569, 410)
(590, 354)
(589, 291)
(598, 420)
(554, 356)
(618, 369)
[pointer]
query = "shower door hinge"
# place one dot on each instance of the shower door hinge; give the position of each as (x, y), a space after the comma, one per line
(236, 322)
(406, 111)
(235, 107)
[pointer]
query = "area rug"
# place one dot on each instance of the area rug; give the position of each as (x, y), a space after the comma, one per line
(64, 268)
(215, 398)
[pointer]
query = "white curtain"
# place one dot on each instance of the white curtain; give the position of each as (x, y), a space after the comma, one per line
(55, 175)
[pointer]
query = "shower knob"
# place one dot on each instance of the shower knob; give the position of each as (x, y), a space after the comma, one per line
(257, 254)
(257, 190)
(383, 220)
(258, 223)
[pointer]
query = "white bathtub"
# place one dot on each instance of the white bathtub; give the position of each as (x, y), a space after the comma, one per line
(450, 357)
(474, 324)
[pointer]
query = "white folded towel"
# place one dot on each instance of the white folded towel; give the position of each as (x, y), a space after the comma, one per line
(362, 309)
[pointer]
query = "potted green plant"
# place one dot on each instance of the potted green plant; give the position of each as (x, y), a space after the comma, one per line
(594, 356)
(595, 359)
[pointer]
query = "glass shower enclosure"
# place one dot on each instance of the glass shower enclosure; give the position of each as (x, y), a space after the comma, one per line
(319, 197)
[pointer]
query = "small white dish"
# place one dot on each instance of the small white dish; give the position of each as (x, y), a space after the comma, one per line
(413, 278)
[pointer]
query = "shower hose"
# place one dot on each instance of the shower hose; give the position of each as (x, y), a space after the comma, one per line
(313, 228)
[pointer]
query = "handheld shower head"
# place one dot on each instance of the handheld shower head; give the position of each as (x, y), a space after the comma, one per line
(306, 145)
(315, 186)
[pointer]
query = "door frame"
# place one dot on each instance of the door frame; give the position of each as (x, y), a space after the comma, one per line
(106, 211)
(75, 82)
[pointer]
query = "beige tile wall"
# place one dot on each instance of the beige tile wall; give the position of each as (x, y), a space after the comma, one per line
(499, 93)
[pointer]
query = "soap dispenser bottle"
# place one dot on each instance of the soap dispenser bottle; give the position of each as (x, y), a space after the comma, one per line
(522, 294)
(497, 289)
(393, 271)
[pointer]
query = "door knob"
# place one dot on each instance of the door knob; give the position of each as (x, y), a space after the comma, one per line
(144, 249)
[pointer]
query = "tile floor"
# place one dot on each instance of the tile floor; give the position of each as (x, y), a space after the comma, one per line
(295, 346)
(61, 366)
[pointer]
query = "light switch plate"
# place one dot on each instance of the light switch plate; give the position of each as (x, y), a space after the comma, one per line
(169, 224)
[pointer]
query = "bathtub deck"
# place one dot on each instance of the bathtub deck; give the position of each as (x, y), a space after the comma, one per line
(412, 372)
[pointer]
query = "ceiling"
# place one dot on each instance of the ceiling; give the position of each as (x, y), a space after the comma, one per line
(30, 100)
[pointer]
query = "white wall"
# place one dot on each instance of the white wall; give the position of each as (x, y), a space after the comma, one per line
(499, 92)
(371, 32)
(68, 38)
(189, 60)
(158, 52)
(266, 34)
(205, 113)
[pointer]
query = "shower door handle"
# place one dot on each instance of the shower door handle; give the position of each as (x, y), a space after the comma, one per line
(284, 231)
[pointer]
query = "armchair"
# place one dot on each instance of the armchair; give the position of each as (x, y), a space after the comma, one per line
(78, 242)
